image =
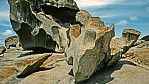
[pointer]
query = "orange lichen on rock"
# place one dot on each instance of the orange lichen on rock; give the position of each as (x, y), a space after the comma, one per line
(34, 60)
(75, 30)
(52, 59)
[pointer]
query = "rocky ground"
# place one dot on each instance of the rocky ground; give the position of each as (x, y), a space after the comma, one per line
(55, 70)
(139, 53)
(80, 40)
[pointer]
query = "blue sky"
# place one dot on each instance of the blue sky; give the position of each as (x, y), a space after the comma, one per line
(123, 13)
(5, 25)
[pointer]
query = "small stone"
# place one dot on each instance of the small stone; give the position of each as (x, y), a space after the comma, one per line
(2, 50)
(12, 41)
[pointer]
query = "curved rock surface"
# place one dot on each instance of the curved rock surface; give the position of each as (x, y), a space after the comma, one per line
(121, 45)
(146, 38)
(2, 50)
(89, 49)
(59, 26)
(12, 41)
(42, 24)
(139, 53)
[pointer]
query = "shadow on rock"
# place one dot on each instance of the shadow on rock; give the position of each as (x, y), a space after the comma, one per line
(34, 67)
(39, 69)
(104, 75)
(26, 54)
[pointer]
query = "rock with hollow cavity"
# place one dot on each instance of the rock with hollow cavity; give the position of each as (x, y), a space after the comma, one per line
(12, 41)
(59, 26)
(89, 49)
(42, 24)
(121, 45)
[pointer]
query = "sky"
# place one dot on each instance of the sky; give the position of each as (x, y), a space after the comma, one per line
(5, 25)
(123, 13)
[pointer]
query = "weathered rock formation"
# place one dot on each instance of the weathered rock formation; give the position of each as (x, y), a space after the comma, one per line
(12, 41)
(59, 26)
(42, 24)
(139, 53)
(121, 45)
(89, 47)
(146, 38)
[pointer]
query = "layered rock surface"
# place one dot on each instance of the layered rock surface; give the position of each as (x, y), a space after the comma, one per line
(121, 45)
(139, 53)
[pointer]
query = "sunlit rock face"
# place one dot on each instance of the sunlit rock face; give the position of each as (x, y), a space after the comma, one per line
(12, 41)
(59, 26)
(42, 24)
(121, 45)
(89, 47)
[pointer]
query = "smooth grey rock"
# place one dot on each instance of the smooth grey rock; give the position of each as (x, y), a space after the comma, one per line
(89, 49)
(59, 26)
(42, 24)
(92, 54)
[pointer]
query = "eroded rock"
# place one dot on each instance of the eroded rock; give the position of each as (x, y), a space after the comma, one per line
(89, 48)
(12, 41)
(42, 24)
(139, 53)
(121, 45)
(59, 26)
